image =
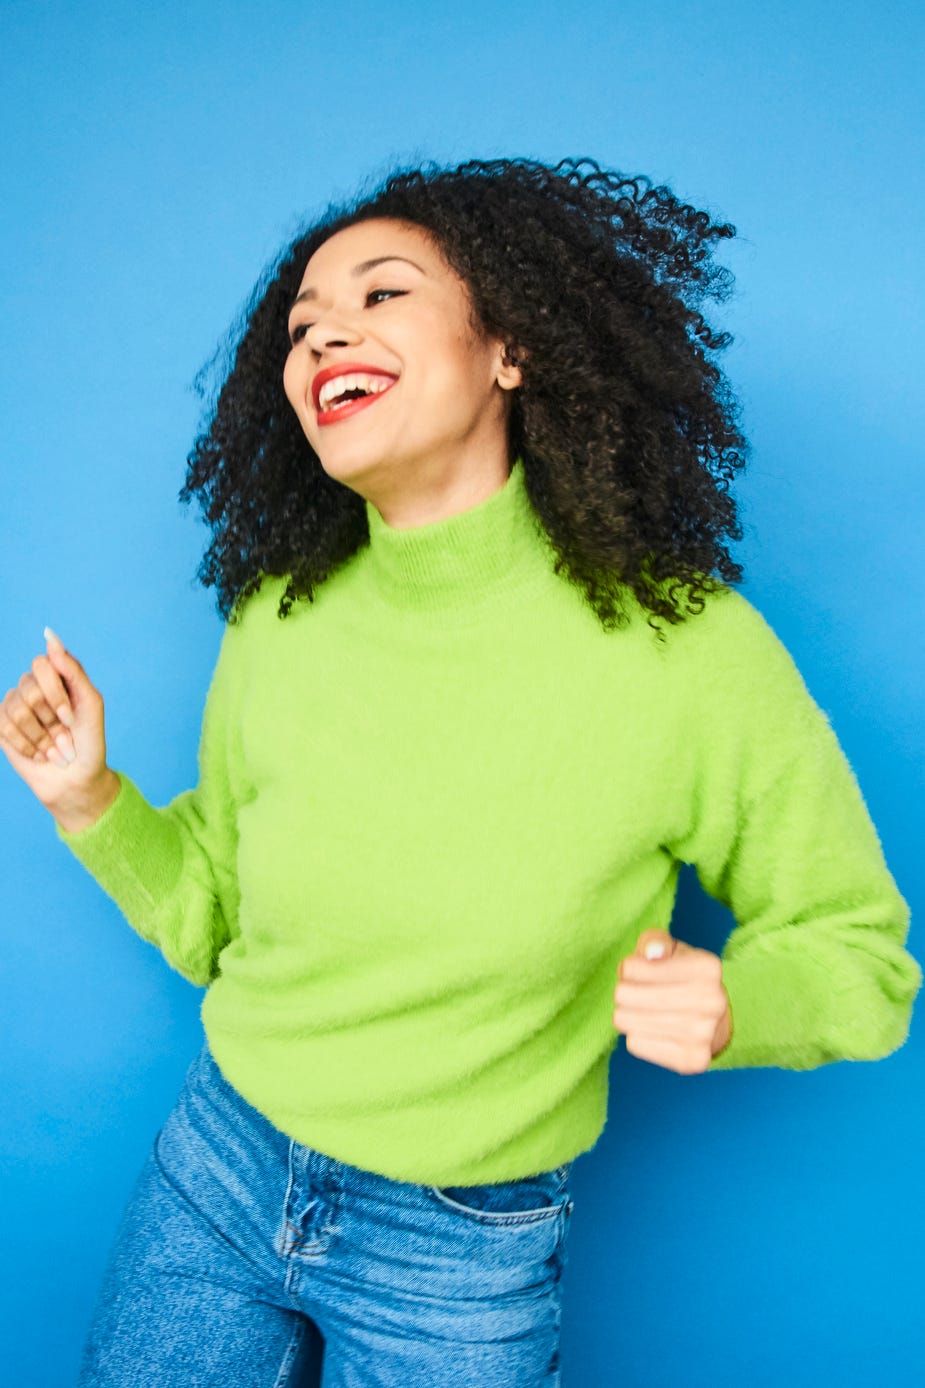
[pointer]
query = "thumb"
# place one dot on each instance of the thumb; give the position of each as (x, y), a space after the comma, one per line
(655, 944)
(73, 676)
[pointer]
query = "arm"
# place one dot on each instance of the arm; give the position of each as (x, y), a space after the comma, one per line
(172, 871)
(815, 969)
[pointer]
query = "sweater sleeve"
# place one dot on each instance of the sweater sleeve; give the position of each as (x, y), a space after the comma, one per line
(172, 871)
(815, 968)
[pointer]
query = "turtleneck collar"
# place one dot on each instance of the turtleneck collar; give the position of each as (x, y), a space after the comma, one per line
(462, 562)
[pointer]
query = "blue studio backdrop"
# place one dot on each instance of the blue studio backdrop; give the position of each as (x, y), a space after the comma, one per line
(759, 1226)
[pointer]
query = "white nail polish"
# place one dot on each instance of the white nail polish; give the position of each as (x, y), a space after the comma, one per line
(65, 748)
(655, 950)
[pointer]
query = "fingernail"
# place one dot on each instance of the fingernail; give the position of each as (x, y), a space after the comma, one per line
(64, 745)
(49, 634)
(654, 949)
(67, 718)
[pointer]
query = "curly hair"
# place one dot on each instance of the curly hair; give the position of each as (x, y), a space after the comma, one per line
(626, 426)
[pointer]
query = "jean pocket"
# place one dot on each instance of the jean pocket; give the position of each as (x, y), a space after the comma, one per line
(528, 1200)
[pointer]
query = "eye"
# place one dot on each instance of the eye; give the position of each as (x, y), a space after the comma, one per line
(297, 333)
(373, 292)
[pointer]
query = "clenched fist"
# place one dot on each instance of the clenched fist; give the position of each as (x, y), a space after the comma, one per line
(671, 1003)
(51, 732)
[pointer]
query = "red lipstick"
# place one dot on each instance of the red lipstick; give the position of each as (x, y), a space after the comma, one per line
(347, 368)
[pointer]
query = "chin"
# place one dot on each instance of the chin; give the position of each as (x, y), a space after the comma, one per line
(343, 465)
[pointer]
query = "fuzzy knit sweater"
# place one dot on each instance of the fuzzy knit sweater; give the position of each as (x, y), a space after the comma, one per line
(436, 807)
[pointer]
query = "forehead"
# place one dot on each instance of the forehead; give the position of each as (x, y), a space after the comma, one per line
(378, 236)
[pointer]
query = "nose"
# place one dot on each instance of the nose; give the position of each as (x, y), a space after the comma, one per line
(331, 331)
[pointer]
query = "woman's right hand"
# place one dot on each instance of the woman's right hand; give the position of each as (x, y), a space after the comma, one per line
(52, 734)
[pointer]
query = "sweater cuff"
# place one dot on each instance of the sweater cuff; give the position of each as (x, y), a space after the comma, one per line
(132, 850)
(787, 1011)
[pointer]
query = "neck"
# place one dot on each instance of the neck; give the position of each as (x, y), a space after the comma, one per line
(441, 487)
(456, 566)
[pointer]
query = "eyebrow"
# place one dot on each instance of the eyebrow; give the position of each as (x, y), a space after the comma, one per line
(357, 270)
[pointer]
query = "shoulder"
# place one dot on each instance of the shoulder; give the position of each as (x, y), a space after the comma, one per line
(726, 616)
(727, 624)
(252, 609)
(730, 652)
(251, 622)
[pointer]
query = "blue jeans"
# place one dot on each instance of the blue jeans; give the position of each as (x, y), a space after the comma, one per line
(238, 1246)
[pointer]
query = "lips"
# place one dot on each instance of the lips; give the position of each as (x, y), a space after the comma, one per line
(338, 412)
(348, 368)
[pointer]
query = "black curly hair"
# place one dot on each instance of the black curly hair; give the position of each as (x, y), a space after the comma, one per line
(626, 425)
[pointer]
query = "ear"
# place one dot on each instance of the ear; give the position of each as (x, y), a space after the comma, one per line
(509, 374)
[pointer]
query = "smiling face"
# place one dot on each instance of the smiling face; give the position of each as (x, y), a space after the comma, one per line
(379, 310)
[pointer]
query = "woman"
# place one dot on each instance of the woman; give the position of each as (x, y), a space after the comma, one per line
(483, 687)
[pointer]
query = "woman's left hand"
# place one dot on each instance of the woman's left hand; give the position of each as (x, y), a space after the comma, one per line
(673, 1009)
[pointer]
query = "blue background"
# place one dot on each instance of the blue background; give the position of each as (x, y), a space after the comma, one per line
(764, 1225)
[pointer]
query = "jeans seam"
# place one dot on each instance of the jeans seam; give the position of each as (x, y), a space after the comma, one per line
(289, 1358)
(284, 1240)
(497, 1217)
(200, 1214)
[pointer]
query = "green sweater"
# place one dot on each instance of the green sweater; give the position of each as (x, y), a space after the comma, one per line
(439, 804)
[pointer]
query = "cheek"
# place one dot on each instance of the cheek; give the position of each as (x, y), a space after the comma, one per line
(296, 379)
(293, 382)
(456, 369)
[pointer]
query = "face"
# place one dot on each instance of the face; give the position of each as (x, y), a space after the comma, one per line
(378, 302)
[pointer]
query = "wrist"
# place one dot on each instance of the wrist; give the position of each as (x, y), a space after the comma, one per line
(83, 810)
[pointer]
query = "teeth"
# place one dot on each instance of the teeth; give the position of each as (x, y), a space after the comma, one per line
(373, 385)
